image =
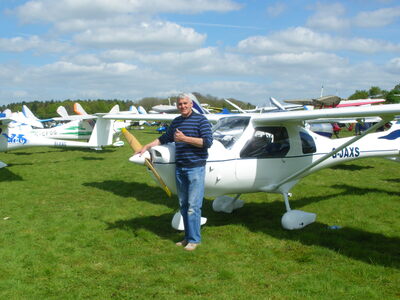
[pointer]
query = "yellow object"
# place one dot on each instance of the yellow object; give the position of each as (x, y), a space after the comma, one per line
(136, 146)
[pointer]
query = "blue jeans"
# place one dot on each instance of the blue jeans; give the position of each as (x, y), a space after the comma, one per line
(190, 186)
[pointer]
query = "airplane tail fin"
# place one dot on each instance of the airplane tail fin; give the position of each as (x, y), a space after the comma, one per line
(235, 106)
(197, 106)
(28, 113)
(21, 118)
(102, 134)
(29, 118)
(78, 109)
(276, 103)
(62, 112)
(133, 109)
(114, 109)
(141, 110)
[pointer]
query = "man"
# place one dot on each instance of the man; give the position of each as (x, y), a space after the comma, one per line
(192, 135)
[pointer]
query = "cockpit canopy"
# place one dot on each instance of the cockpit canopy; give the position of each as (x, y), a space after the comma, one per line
(228, 130)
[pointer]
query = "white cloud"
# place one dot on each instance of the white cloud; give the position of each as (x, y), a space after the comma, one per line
(393, 66)
(55, 11)
(328, 17)
(204, 61)
(300, 39)
(377, 18)
(154, 36)
(35, 43)
(332, 17)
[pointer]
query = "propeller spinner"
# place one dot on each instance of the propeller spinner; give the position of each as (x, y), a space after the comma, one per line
(136, 146)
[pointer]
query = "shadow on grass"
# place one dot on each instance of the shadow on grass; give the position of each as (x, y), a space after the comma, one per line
(140, 191)
(393, 180)
(7, 175)
(92, 158)
(31, 153)
(103, 150)
(353, 190)
(372, 248)
(348, 167)
(21, 164)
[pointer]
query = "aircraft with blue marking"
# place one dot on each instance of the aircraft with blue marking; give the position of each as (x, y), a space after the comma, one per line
(272, 152)
(16, 133)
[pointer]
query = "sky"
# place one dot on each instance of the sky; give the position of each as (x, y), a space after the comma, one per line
(247, 50)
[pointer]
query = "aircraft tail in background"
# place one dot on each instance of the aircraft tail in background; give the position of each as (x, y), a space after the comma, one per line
(62, 112)
(78, 109)
(133, 109)
(197, 106)
(141, 110)
(28, 113)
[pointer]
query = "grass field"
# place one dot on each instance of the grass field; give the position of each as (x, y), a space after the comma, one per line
(81, 224)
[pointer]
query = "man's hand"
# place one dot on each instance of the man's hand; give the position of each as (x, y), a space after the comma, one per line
(143, 150)
(179, 136)
(156, 142)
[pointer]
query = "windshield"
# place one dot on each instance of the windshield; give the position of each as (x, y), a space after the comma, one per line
(228, 130)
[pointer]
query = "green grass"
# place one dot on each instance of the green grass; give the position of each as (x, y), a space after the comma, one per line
(80, 224)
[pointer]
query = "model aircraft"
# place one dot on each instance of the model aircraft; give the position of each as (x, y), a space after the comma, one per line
(16, 133)
(271, 152)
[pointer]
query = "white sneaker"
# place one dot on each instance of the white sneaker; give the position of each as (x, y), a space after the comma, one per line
(191, 246)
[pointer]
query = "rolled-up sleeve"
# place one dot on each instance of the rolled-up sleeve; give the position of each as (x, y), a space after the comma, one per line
(206, 133)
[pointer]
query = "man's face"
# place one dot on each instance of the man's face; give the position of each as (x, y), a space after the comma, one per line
(185, 107)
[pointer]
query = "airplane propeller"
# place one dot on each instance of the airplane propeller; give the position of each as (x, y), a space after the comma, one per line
(136, 146)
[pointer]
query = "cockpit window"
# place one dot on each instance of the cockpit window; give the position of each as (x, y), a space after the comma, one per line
(307, 143)
(228, 130)
(267, 142)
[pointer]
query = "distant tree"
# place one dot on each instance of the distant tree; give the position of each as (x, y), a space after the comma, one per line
(359, 94)
(47, 109)
(393, 96)
(375, 91)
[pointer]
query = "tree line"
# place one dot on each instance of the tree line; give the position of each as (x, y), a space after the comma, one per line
(392, 96)
(47, 109)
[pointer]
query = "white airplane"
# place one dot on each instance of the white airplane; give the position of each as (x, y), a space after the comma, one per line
(72, 127)
(274, 106)
(16, 133)
(271, 152)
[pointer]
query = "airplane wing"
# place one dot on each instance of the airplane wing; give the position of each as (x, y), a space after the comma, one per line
(321, 101)
(4, 119)
(74, 117)
(347, 120)
(387, 111)
(359, 102)
(155, 117)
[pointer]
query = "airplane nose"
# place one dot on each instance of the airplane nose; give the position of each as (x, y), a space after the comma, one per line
(137, 159)
(163, 154)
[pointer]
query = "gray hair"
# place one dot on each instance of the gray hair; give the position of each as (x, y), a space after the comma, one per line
(184, 96)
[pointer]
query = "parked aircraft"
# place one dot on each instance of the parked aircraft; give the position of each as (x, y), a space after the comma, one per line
(271, 153)
(333, 101)
(73, 127)
(15, 133)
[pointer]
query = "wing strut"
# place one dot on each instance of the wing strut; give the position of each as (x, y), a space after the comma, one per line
(326, 156)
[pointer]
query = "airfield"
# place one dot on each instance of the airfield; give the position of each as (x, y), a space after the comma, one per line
(88, 224)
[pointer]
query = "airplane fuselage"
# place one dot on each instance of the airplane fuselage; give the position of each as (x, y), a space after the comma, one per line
(246, 158)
